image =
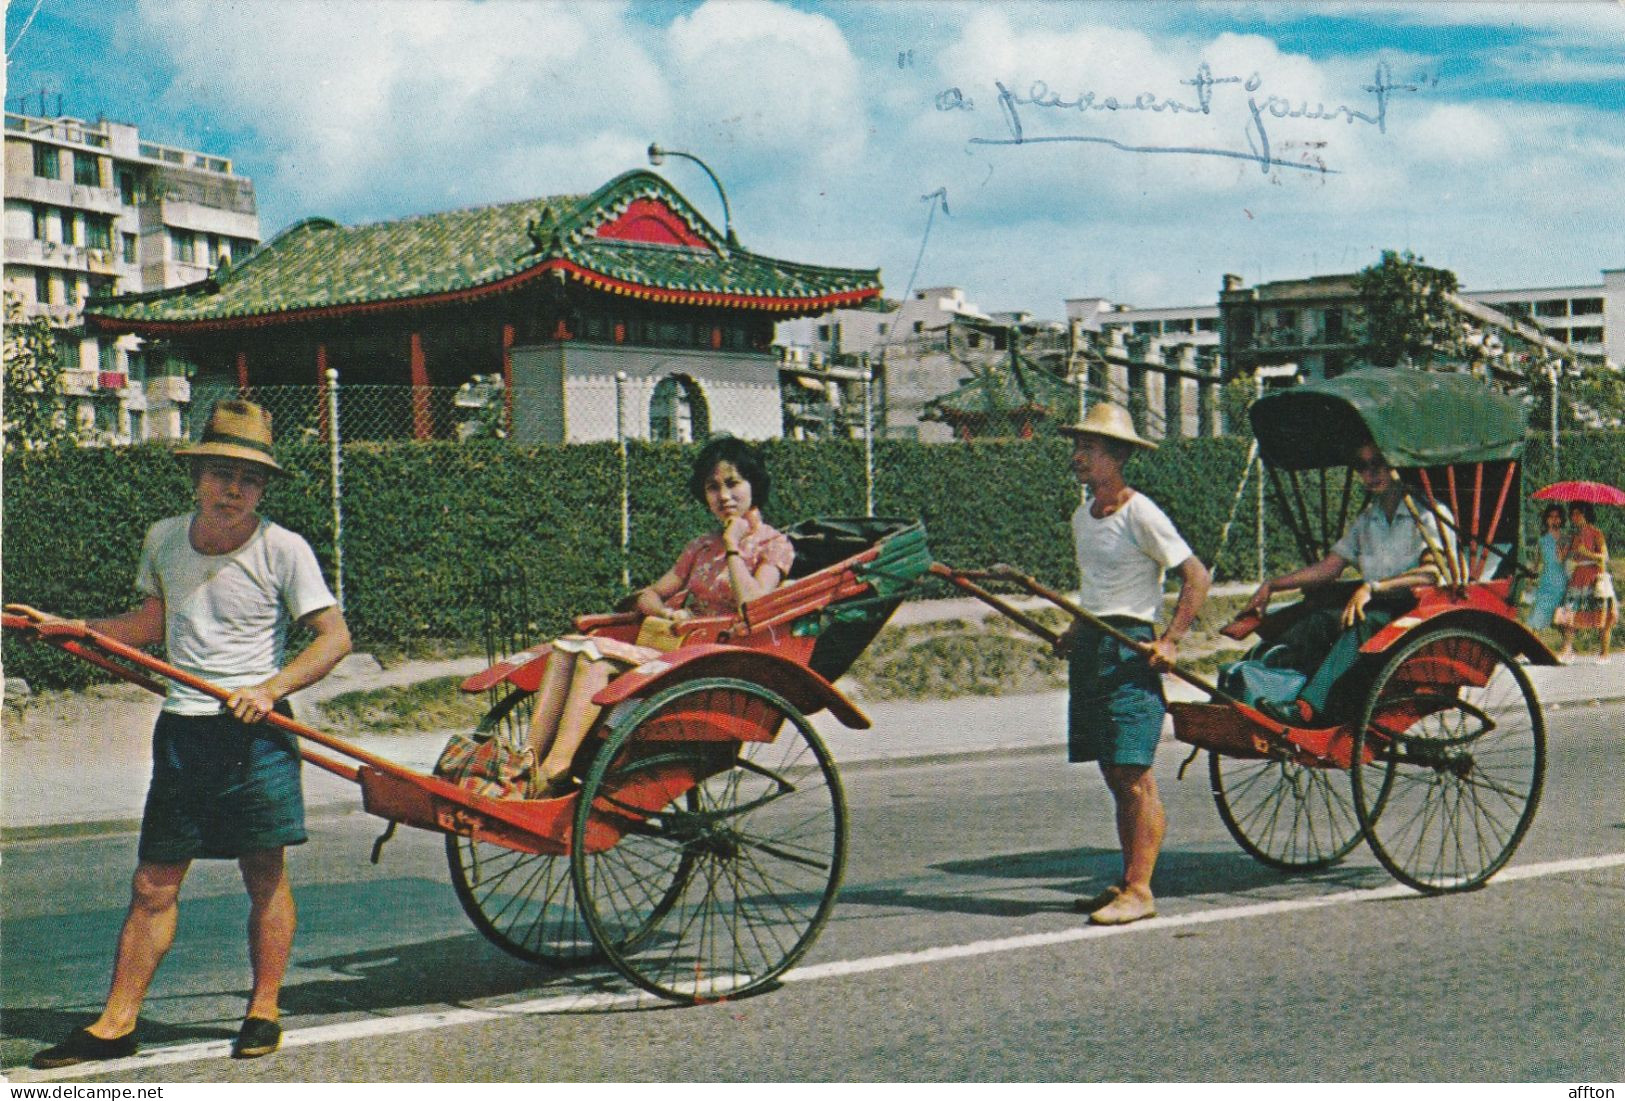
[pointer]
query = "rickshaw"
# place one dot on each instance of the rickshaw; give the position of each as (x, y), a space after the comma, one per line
(702, 852)
(1437, 754)
(1435, 751)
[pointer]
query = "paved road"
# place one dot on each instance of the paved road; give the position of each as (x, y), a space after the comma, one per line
(951, 956)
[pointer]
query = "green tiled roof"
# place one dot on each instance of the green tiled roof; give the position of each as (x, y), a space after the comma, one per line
(1000, 391)
(318, 265)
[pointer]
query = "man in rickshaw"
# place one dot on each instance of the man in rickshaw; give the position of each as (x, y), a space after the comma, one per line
(220, 587)
(1394, 548)
(1125, 544)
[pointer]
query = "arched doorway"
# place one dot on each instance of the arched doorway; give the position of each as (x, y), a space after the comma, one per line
(677, 411)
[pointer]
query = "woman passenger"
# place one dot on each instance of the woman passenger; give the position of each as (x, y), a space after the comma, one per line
(740, 559)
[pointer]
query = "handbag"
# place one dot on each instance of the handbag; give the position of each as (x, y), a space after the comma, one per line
(1603, 587)
(656, 632)
(489, 765)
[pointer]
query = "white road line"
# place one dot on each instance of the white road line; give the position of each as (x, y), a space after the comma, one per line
(576, 1003)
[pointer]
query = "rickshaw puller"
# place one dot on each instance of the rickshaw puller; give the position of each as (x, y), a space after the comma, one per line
(1125, 544)
(221, 586)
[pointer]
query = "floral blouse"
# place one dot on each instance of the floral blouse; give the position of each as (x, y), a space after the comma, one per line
(703, 566)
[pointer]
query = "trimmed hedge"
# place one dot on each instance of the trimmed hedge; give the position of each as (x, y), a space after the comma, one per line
(429, 527)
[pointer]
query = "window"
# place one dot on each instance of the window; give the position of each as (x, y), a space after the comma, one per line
(99, 233)
(1177, 325)
(73, 229)
(1557, 307)
(185, 245)
(919, 326)
(1145, 328)
(42, 222)
(42, 287)
(881, 329)
(1588, 334)
(86, 172)
(128, 241)
(127, 193)
(823, 332)
(102, 286)
(1286, 319)
(47, 162)
(1582, 306)
(1207, 324)
(1334, 328)
(136, 366)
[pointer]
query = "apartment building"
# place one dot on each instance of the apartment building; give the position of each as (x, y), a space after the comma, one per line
(93, 209)
(1591, 318)
(1159, 326)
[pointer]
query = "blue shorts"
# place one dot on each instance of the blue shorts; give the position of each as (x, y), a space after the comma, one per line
(220, 789)
(1115, 707)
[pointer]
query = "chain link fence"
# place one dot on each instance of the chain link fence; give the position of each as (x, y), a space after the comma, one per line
(829, 400)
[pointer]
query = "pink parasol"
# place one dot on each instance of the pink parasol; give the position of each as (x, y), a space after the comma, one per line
(1594, 493)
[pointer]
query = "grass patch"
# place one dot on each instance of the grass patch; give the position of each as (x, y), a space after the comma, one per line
(428, 705)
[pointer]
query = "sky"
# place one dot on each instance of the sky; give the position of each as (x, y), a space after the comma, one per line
(1027, 152)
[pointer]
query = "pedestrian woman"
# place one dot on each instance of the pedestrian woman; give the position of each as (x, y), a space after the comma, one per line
(1590, 600)
(1554, 578)
(737, 561)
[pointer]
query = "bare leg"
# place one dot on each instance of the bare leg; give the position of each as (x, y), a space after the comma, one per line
(579, 715)
(1141, 826)
(271, 921)
(1609, 617)
(149, 930)
(1568, 644)
(544, 720)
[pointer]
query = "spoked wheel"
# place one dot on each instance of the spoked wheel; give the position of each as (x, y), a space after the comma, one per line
(522, 902)
(1285, 814)
(1457, 751)
(715, 892)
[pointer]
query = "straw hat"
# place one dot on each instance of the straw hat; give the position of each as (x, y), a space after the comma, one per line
(237, 430)
(1109, 420)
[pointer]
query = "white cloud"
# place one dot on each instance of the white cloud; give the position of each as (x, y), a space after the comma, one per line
(1455, 134)
(758, 79)
(826, 133)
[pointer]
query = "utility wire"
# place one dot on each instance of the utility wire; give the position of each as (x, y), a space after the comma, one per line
(24, 30)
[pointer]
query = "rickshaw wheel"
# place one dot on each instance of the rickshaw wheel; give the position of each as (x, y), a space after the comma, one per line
(1285, 814)
(523, 903)
(1458, 756)
(760, 842)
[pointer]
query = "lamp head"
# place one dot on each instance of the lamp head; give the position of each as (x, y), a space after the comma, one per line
(657, 155)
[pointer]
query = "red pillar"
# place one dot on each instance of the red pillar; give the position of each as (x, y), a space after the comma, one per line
(422, 424)
(242, 370)
(507, 378)
(321, 391)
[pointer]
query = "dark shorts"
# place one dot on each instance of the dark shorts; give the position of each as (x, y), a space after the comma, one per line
(1115, 707)
(220, 789)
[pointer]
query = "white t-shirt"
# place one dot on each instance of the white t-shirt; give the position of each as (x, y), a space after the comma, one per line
(1381, 548)
(226, 616)
(1123, 558)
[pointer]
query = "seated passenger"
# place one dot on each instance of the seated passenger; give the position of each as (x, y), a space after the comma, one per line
(716, 573)
(1385, 544)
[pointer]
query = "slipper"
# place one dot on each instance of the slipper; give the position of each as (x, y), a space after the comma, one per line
(1096, 902)
(257, 1037)
(83, 1046)
(1125, 909)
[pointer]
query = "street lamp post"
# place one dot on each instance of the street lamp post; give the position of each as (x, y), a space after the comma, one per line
(657, 156)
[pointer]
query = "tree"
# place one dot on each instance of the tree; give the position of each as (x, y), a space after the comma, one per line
(1409, 317)
(36, 409)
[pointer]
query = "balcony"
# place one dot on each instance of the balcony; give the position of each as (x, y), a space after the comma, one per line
(169, 388)
(79, 383)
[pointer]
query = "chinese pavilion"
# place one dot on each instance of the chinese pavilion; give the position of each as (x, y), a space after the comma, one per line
(558, 296)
